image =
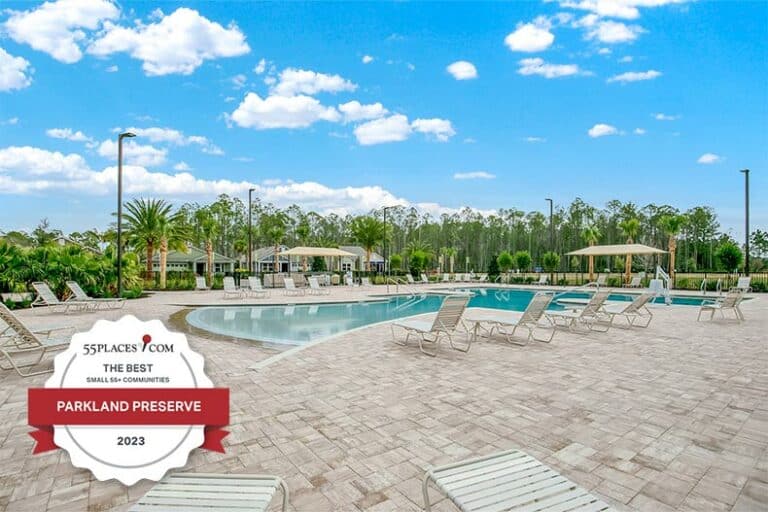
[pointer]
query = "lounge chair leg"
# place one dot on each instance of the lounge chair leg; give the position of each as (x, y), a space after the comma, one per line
(284, 487)
(425, 490)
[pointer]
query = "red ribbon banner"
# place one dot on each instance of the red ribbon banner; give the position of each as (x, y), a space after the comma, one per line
(128, 406)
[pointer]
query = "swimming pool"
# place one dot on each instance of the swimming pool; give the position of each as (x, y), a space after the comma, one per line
(303, 323)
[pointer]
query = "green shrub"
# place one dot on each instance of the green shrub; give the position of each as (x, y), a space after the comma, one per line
(523, 260)
(395, 262)
(493, 268)
(550, 261)
(729, 256)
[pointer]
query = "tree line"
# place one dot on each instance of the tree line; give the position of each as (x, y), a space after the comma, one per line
(462, 241)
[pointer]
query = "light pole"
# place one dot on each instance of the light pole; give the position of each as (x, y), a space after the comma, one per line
(746, 219)
(250, 231)
(120, 210)
(386, 261)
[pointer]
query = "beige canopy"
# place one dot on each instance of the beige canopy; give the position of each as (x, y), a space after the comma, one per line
(615, 250)
(317, 251)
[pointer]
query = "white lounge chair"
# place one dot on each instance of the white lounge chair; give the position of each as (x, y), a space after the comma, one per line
(365, 282)
(78, 294)
(506, 323)
(446, 278)
(590, 315)
(744, 284)
(290, 288)
(315, 288)
(230, 290)
(445, 323)
(18, 342)
(255, 289)
(635, 311)
(482, 278)
(508, 481)
(189, 492)
(200, 283)
(424, 279)
(543, 279)
(409, 278)
(730, 301)
(46, 298)
(602, 279)
(636, 282)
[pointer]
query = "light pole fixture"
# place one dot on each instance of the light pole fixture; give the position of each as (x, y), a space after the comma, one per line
(120, 210)
(746, 220)
(250, 231)
(387, 268)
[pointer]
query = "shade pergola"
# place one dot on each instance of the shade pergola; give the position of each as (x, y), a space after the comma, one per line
(327, 252)
(323, 252)
(616, 250)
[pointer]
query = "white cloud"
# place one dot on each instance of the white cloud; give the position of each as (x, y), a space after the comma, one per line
(469, 140)
(627, 9)
(14, 72)
(281, 112)
(635, 76)
(182, 166)
(300, 81)
(56, 28)
(462, 70)
(68, 134)
(367, 59)
(394, 128)
(260, 67)
(537, 66)
(529, 38)
(410, 66)
(28, 170)
(133, 153)
(158, 134)
(113, 69)
(354, 111)
(709, 158)
(474, 175)
(665, 117)
(441, 129)
(601, 130)
(639, 131)
(612, 32)
(535, 139)
(10, 121)
(239, 81)
(626, 59)
(604, 51)
(177, 43)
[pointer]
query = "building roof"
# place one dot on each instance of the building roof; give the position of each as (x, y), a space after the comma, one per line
(193, 255)
(267, 254)
(360, 253)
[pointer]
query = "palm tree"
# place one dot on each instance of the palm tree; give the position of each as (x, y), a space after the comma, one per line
(302, 233)
(369, 232)
(274, 227)
(143, 220)
(450, 253)
(591, 235)
(173, 235)
(630, 227)
(209, 229)
(672, 225)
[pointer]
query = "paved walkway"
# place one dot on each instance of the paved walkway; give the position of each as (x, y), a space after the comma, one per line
(673, 417)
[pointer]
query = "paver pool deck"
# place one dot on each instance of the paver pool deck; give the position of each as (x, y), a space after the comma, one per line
(673, 417)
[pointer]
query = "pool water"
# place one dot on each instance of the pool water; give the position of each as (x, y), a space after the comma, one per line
(300, 324)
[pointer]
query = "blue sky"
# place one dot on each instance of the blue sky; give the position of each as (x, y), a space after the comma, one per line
(345, 107)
